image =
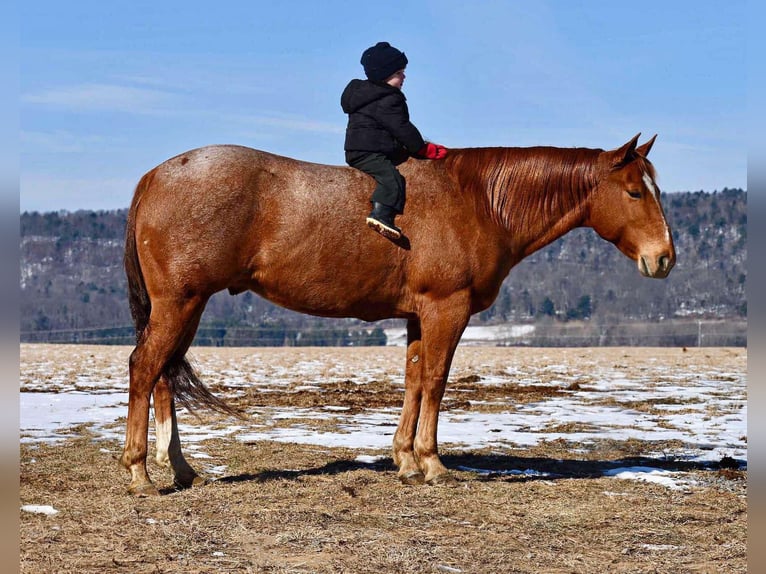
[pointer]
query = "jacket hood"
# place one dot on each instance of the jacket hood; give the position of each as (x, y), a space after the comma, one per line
(359, 93)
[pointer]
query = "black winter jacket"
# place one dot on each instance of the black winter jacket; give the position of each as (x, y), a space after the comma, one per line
(379, 121)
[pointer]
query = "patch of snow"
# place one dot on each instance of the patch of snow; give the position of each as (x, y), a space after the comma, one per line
(473, 335)
(649, 474)
(506, 472)
(40, 509)
(660, 547)
(45, 416)
(369, 459)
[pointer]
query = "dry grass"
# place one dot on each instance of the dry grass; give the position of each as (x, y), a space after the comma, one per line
(331, 514)
(288, 508)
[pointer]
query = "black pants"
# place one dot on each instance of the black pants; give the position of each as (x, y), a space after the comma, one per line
(390, 190)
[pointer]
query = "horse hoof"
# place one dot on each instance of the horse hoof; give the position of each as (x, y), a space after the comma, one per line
(412, 478)
(199, 481)
(445, 479)
(144, 490)
(183, 484)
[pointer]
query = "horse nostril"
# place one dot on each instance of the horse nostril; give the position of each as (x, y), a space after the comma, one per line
(664, 262)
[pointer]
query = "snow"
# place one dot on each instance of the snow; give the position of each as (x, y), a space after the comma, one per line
(369, 459)
(47, 416)
(647, 474)
(39, 509)
(473, 335)
(704, 408)
(511, 472)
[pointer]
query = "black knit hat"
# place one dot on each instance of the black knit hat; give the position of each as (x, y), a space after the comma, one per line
(382, 60)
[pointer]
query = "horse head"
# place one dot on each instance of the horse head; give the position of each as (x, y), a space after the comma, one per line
(625, 209)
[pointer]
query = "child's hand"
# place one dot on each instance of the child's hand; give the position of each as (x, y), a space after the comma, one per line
(432, 151)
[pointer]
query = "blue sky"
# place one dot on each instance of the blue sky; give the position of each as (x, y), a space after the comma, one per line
(110, 89)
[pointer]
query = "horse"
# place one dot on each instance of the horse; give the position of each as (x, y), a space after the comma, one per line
(230, 217)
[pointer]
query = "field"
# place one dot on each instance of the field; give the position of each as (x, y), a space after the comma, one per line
(568, 460)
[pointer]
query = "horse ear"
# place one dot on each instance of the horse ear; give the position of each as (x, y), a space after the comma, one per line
(643, 150)
(627, 152)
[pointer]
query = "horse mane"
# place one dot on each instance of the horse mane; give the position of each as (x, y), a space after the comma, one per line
(531, 184)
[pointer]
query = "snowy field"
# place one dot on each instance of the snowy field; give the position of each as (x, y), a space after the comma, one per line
(693, 400)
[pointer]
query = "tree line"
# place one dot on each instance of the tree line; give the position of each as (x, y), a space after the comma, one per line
(73, 287)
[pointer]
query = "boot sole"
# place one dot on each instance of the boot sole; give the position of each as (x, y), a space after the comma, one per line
(384, 230)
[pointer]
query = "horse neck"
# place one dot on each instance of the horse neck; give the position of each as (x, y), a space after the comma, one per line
(532, 195)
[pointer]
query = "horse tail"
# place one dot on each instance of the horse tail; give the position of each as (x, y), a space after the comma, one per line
(190, 391)
(184, 382)
(138, 297)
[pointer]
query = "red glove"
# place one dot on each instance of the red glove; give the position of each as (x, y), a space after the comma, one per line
(432, 151)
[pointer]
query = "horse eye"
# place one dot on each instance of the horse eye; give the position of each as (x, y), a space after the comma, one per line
(634, 193)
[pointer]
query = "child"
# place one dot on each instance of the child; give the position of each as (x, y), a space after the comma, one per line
(380, 135)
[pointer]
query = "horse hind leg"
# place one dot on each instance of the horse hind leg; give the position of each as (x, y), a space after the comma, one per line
(169, 324)
(168, 441)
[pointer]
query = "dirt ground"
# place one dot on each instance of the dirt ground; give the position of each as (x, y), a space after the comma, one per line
(284, 508)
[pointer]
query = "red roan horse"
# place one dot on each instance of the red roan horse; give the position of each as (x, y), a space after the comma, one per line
(230, 217)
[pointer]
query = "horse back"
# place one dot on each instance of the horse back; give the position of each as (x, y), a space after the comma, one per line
(231, 217)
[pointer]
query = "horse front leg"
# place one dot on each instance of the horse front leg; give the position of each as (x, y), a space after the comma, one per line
(404, 439)
(167, 439)
(442, 323)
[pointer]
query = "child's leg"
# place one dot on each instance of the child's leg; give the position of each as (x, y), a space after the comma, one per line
(390, 190)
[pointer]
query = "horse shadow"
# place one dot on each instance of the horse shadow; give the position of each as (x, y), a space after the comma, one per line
(468, 467)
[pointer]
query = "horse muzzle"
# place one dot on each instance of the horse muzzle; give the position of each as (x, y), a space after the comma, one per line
(657, 267)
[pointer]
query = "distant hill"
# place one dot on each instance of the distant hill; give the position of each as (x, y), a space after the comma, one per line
(73, 287)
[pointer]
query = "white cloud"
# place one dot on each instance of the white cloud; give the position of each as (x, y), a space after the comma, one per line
(58, 141)
(197, 81)
(104, 97)
(294, 123)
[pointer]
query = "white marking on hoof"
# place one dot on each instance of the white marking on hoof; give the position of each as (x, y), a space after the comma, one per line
(163, 433)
